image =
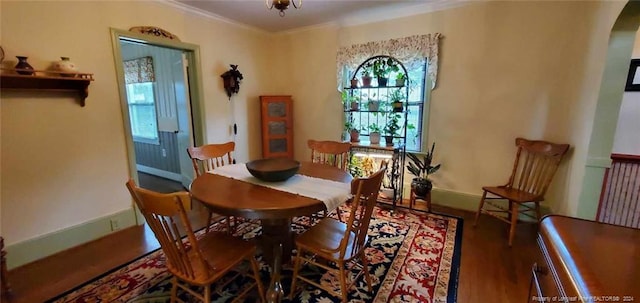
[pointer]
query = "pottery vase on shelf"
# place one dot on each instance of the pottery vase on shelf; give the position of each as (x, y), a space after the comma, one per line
(66, 67)
(23, 67)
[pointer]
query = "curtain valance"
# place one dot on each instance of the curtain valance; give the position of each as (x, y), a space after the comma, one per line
(409, 50)
(139, 70)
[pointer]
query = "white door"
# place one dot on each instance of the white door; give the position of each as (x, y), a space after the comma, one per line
(185, 133)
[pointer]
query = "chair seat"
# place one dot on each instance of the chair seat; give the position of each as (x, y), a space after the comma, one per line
(513, 194)
(324, 238)
(222, 252)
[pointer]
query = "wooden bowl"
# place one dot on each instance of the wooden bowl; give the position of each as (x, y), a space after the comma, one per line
(273, 170)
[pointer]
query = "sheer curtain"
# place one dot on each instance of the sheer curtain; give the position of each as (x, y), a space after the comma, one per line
(409, 50)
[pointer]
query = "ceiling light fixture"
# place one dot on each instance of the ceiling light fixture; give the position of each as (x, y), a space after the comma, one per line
(282, 5)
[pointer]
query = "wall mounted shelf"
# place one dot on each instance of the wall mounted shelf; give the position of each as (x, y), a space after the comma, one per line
(47, 81)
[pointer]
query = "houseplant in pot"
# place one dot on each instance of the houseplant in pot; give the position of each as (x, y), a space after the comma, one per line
(400, 79)
(391, 128)
(365, 74)
(421, 168)
(374, 133)
(397, 100)
(354, 132)
(350, 101)
(382, 67)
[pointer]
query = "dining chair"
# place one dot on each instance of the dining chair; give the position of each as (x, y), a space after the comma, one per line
(192, 260)
(333, 153)
(334, 242)
(206, 158)
(535, 165)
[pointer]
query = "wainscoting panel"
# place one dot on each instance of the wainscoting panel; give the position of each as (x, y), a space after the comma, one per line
(620, 199)
(152, 155)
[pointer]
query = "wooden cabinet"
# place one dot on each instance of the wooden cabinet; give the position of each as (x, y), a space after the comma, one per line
(585, 261)
(277, 126)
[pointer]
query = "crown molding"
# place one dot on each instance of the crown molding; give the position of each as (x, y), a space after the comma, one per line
(210, 15)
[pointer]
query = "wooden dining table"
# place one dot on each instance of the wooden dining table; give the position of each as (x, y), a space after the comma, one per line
(275, 209)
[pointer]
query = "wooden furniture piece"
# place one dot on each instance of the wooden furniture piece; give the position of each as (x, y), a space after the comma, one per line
(206, 158)
(48, 81)
(535, 164)
(585, 261)
(340, 243)
(333, 153)
(413, 197)
(5, 290)
(277, 126)
(394, 178)
(202, 261)
(272, 207)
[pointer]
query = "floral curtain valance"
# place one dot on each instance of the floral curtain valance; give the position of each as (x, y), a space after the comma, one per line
(139, 70)
(409, 50)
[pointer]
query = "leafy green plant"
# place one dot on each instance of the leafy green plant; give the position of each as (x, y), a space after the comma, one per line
(393, 125)
(422, 167)
(400, 76)
(374, 128)
(383, 66)
(367, 69)
(397, 95)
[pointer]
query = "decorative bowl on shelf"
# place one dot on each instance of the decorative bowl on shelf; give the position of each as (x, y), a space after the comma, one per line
(274, 169)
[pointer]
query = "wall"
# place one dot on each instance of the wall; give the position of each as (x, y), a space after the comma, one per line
(506, 70)
(627, 140)
(68, 164)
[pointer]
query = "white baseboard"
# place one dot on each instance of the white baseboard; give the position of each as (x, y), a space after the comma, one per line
(160, 173)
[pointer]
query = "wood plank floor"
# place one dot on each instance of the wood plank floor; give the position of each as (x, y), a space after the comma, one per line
(490, 270)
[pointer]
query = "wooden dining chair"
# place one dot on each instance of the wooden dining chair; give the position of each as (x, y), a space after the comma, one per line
(340, 243)
(206, 158)
(192, 261)
(330, 152)
(535, 165)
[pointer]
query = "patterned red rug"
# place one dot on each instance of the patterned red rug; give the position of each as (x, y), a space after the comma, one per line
(414, 257)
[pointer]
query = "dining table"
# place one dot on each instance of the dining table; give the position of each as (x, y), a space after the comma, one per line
(248, 197)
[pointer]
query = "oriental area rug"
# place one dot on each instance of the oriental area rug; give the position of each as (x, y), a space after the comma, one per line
(413, 257)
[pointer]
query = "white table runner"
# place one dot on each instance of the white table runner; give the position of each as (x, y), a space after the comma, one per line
(331, 193)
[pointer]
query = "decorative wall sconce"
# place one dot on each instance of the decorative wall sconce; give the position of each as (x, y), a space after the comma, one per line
(231, 80)
(282, 5)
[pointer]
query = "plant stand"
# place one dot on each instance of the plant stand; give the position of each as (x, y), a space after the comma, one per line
(413, 197)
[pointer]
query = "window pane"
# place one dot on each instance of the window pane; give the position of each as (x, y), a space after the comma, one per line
(142, 111)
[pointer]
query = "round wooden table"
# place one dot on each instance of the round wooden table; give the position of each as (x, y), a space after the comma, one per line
(274, 208)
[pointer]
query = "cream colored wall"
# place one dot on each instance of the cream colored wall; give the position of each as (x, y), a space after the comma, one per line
(64, 165)
(507, 69)
(627, 140)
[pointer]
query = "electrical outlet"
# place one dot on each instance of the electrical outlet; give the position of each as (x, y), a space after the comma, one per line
(164, 153)
(115, 224)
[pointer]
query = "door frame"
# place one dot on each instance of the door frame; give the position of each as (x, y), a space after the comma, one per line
(192, 53)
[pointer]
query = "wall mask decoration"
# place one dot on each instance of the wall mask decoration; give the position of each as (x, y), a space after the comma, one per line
(232, 79)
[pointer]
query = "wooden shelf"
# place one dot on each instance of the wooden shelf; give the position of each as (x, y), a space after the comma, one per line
(47, 81)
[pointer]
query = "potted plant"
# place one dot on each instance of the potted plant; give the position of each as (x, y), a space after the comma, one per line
(397, 100)
(400, 79)
(354, 132)
(365, 74)
(421, 169)
(350, 100)
(374, 133)
(391, 128)
(382, 67)
(354, 82)
(373, 104)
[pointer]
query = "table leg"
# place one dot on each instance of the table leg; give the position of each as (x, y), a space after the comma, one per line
(274, 232)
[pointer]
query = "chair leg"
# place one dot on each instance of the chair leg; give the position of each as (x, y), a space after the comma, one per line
(339, 214)
(174, 290)
(296, 267)
(343, 281)
(207, 293)
(514, 221)
(209, 221)
(365, 268)
(412, 199)
(484, 196)
(538, 212)
(256, 276)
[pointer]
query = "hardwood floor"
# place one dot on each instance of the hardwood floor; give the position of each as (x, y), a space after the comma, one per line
(490, 271)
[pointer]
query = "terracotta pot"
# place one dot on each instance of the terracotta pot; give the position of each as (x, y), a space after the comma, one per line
(366, 81)
(354, 83)
(355, 136)
(374, 138)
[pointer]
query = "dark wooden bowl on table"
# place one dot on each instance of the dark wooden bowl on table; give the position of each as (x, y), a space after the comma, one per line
(273, 169)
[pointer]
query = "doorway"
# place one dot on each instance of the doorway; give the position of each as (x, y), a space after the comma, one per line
(161, 108)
